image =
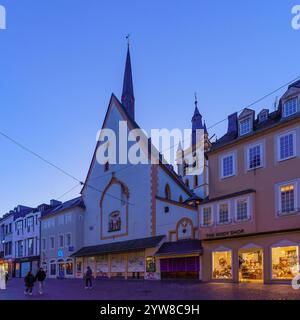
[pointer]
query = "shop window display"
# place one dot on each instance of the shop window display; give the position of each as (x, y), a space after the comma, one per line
(222, 264)
(251, 265)
(285, 262)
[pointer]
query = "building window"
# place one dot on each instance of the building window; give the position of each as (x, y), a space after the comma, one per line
(290, 107)
(68, 240)
(52, 240)
(287, 146)
(207, 216)
(285, 262)
(52, 268)
(263, 116)
(61, 241)
(255, 157)
(245, 126)
(167, 192)
(187, 182)
(227, 166)
(223, 213)
(30, 244)
(222, 264)
(195, 181)
(30, 224)
(44, 244)
(242, 210)
(251, 265)
(20, 245)
(287, 198)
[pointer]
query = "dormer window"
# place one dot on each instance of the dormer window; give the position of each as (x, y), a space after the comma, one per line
(245, 126)
(290, 107)
(263, 116)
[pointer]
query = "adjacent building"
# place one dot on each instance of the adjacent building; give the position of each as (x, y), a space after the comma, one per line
(250, 223)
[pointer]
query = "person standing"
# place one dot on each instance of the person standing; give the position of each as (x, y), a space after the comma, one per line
(88, 278)
(29, 283)
(40, 277)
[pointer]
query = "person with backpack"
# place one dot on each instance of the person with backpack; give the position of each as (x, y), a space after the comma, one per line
(29, 283)
(40, 277)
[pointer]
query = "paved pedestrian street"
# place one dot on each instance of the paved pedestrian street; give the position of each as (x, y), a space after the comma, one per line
(73, 289)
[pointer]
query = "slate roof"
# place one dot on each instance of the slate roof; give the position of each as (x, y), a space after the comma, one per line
(76, 202)
(185, 246)
(273, 120)
(122, 246)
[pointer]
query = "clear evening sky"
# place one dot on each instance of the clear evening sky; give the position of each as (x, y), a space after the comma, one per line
(60, 60)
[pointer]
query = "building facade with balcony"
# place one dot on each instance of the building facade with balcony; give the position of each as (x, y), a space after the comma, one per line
(250, 223)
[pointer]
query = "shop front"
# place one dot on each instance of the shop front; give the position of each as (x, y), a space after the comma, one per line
(266, 258)
(180, 259)
(120, 260)
(24, 265)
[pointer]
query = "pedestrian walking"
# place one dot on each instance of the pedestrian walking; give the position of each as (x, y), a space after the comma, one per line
(88, 278)
(29, 283)
(40, 277)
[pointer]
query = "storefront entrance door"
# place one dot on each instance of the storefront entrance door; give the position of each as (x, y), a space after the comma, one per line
(251, 265)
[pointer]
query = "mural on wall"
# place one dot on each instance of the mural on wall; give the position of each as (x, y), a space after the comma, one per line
(136, 262)
(114, 222)
(185, 229)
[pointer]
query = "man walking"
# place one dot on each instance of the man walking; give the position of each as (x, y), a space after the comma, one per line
(88, 278)
(40, 277)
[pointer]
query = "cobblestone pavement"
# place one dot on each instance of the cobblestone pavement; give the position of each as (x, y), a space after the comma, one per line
(73, 289)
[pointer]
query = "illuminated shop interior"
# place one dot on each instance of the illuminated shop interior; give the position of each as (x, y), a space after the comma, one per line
(222, 265)
(251, 265)
(285, 262)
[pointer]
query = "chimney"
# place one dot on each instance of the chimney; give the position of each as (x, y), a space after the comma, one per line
(233, 123)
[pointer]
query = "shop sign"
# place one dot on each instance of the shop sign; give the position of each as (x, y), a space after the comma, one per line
(225, 234)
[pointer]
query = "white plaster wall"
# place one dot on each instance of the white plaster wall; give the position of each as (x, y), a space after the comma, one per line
(138, 180)
(166, 222)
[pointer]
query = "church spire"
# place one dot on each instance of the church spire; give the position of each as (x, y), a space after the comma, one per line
(127, 94)
(196, 122)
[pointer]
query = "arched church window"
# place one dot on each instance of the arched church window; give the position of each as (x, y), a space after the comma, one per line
(167, 192)
(114, 222)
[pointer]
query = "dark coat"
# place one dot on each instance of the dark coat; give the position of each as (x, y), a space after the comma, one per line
(41, 275)
(29, 280)
(89, 274)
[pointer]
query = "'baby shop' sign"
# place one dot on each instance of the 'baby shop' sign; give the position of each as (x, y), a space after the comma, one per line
(2, 18)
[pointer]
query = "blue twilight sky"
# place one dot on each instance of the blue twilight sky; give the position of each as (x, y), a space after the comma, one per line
(61, 59)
